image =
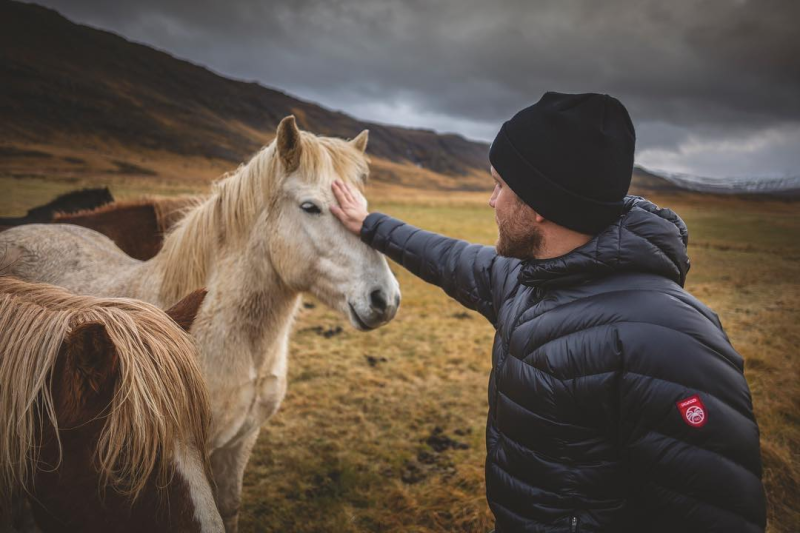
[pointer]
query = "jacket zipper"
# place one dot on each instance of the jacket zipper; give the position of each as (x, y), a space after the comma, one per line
(573, 528)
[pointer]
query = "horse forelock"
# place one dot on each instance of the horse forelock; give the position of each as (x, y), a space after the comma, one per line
(324, 159)
(159, 397)
(228, 214)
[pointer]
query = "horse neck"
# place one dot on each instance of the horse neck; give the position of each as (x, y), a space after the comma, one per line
(213, 250)
(217, 228)
(265, 306)
(105, 509)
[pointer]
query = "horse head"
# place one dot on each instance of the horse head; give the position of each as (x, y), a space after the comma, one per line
(310, 249)
(117, 446)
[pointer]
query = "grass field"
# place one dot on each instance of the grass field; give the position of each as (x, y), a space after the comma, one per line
(383, 431)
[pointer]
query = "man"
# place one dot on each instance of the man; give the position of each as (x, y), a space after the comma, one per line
(616, 402)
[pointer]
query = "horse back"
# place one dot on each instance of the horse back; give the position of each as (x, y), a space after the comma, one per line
(76, 258)
(133, 228)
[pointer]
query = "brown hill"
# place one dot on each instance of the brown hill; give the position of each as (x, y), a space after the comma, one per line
(69, 88)
(86, 104)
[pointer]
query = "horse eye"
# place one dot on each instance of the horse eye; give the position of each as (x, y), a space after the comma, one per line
(309, 207)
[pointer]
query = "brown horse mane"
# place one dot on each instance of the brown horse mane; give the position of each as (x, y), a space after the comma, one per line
(113, 206)
(159, 400)
(167, 209)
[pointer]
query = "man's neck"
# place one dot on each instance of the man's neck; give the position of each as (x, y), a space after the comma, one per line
(560, 241)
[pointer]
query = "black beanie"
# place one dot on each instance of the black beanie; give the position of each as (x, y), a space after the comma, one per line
(569, 157)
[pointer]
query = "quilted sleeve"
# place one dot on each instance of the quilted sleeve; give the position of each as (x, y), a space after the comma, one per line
(473, 274)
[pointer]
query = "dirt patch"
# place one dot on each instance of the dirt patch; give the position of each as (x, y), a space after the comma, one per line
(373, 360)
(325, 332)
(433, 460)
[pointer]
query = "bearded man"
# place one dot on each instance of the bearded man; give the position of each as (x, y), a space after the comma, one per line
(616, 401)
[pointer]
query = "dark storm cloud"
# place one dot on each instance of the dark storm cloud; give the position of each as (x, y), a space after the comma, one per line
(700, 71)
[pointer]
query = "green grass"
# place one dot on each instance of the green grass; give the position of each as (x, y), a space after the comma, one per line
(347, 451)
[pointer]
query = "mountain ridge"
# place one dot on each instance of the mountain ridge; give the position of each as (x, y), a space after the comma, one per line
(83, 102)
(75, 81)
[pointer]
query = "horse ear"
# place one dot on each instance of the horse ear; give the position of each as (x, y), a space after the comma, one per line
(84, 375)
(185, 311)
(360, 141)
(289, 145)
(92, 354)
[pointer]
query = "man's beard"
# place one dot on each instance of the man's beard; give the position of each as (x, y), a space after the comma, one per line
(518, 237)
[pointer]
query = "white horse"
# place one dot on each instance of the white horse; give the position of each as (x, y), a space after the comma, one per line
(264, 236)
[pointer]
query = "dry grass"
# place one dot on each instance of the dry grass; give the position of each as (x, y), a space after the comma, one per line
(348, 450)
(354, 446)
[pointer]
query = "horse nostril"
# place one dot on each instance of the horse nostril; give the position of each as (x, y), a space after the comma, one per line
(378, 300)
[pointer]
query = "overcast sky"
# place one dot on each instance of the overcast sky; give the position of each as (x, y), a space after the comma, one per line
(713, 86)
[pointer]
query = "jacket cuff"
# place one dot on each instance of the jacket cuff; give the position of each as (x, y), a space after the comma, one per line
(370, 226)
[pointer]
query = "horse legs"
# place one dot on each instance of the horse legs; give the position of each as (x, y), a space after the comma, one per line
(228, 466)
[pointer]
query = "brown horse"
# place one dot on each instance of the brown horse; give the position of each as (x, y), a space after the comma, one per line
(67, 203)
(137, 227)
(104, 415)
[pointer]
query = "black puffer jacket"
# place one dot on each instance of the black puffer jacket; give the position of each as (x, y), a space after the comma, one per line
(616, 402)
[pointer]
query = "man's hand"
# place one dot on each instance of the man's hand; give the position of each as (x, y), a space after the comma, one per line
(350, 211)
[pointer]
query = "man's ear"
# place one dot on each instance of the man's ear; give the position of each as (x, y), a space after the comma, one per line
(289, 144)
(185, 311)
(360, 141)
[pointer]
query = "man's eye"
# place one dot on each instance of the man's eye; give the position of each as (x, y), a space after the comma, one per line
(310, 207)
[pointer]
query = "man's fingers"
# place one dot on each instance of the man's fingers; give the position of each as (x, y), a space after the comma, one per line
(345, 195)
(342, 194)
(348, 192)
(339, 194)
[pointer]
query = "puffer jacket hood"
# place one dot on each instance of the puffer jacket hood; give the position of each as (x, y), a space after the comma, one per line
(645, 239)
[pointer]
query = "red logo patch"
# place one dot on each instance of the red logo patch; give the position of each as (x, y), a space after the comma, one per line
(693, 411)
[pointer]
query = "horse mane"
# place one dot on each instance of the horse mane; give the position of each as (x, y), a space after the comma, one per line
(159, 399)
(170, 209)
(144, 201)
(226, 216)
(75, 200)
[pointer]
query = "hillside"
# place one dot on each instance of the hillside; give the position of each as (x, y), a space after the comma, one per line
(786, 187)
(69, 90)
(89, 106)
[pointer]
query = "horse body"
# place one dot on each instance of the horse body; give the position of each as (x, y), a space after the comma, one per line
(251, 388)
(137, 227)
(104, 413)
(262, 238)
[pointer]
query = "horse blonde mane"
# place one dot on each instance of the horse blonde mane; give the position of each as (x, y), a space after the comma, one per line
(236, 200)
(159, 401)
